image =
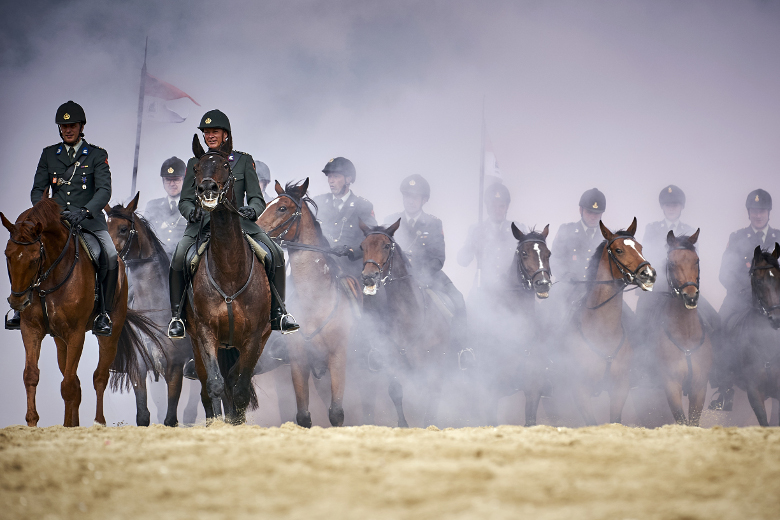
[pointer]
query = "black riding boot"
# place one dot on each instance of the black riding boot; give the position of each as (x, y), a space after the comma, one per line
(177, 287)
(14, 323)
(280, 319)
(102, 325)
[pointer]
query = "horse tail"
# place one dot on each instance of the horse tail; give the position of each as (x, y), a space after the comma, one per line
(227, 358)
(133, 359)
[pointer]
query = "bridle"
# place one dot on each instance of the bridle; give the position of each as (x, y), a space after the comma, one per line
(674, 288)
(287, 225)
(758, 303)
(628, 277)
(129, 242)
(526, 278)
(387, 263)
(225, 188)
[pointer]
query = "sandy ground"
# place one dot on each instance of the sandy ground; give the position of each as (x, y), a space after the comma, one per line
(222, 471)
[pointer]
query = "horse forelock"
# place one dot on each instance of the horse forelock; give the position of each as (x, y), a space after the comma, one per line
(682, 242)
(534, 235)
(46, 212)
(593, 264)
(768, 258)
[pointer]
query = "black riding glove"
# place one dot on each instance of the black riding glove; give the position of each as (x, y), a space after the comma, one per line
(195, 215)
(343, 250)
(76, 216)
(352, 255)
(248, 212)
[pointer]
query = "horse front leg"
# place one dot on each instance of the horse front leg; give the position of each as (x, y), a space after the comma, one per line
(756, 398)
(174, 377)
(673, 391)
(300, 370)
(70, 388)
(581, 398)
(433, 397)
(142, 415)
(32, 338)
(337, 366)
(396, 392)
(211, 380)
(245, 368)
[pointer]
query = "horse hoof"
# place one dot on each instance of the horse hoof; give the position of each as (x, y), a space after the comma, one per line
(403, 424)
(303, 419)
(173, 424)
(336, 416)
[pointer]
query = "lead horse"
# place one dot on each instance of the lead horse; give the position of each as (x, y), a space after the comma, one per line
(599, 347)
(231, 297)
(324, 303)
(53, 286)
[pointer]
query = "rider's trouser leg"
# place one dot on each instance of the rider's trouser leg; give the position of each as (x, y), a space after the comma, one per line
(277, 278)
(108, 276)
(176, 286)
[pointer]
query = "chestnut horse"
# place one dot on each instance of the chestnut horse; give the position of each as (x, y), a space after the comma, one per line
(684, 349)
(517, 360)
(323, 304)
(231, 301)
(599, 348)
(413, 333)
(756, 335)
(147, 269)
(53, 285)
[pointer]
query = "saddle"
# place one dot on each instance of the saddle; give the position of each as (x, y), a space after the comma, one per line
(91, 247)
(442, 302)
(260, 250)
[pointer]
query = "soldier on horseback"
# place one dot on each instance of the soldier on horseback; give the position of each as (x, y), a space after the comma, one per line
(163, 213)
(735, 277)
(672, 202)
(575, 242)
(340, 211)
(216, 130)
(78, 174)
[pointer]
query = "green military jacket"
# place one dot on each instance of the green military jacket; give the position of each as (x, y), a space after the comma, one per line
(89, 186)
(246, 186)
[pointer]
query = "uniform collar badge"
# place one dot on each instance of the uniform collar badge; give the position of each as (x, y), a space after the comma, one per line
(230, 158)
(351, 203)
(84, 151)
(59, 150)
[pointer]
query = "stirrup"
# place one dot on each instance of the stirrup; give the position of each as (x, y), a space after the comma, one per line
(282, 317)
(8, 325)
(183, 328)
(110, 325)
(472, 361)
(188, 370)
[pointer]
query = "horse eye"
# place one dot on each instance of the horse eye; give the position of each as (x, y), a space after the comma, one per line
(123, 230)
(525, 253)
(387, 246)
(282, 208)
(619, 251)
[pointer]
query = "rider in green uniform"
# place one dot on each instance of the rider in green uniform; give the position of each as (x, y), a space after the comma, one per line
(216, 130)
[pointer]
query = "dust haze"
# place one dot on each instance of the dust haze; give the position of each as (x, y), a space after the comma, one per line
(624, 96)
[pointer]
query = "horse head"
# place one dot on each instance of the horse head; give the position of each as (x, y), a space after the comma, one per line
(765, 282)
(121, 224)
(282, 216)
(625, 257)
(213, 177)
(682, 268)
(378, 248)
(24, 256)
(532, 261)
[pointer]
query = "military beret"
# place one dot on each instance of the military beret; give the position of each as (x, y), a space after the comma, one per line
(593, 200)
(498, 191)
(671, 195)
(341, 165)
(416, 185)
(70, 112)
(263, 172)
(173, 167)
(214, 119)
(759, 199)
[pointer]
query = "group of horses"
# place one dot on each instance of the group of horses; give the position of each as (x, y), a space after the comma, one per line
(380, 328)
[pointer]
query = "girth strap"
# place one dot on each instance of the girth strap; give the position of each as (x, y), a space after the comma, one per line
(688, 381)
(229, 299)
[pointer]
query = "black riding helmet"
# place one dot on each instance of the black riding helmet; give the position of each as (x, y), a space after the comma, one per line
(214, 119)
(173, 167)
(671, 195)
(416, 185)
(70, 112)
(343, 166)
(759, 199)
(593, 200)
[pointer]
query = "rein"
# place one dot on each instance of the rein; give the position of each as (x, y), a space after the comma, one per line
(674, 288)
(387, 263)
(293, 244)
(129, 242)
(526, 278)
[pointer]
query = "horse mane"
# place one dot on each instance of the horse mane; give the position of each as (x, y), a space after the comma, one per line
(157, 245)
(768, 258)
(682, 242)
(593, 264)
(534, 235)
(45, 212)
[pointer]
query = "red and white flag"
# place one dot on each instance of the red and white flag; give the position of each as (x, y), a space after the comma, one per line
(157, 94)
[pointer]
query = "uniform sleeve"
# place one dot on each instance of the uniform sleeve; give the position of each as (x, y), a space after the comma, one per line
(367, 215)
(254, 194)
(41, 182)
(434, 246)
(187, 200)
(102, 177)
(732, 266)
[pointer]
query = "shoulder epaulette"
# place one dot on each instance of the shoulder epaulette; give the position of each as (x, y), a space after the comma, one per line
(96, 146)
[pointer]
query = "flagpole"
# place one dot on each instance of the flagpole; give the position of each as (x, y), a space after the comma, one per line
(481, 196)
(140, 118)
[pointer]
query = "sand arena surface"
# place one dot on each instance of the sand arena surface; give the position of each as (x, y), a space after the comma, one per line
(376, 472)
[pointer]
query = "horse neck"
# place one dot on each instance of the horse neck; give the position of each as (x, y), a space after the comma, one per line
(401, 287)
(227, 242)
(309, 268)
(54, 239)
(601, 292)
(685, 321)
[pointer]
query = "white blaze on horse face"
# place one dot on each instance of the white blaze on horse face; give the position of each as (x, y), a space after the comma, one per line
(630, 243)
(539, 255)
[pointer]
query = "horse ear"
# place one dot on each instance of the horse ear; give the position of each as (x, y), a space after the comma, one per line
(693, 238)
(606, 233)
(45, 193)
(38, 229)
(670, 238)
(7, 223)
(776, 252)
(546, 231)
(197, 148)
(278, 188)
(757, 254)
(632, 228)
(519, 236)
(107, 208)
(134, 203)
(363, 227)
(305, 187)
(227, 146)
(392, 229)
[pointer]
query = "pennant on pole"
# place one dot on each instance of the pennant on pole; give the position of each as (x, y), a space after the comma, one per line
(156, 95)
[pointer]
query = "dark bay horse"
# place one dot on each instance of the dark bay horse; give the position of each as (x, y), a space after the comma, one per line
(147, 269)
(517, 360)
(756, 335)
(413, 333)
(682, 346)
(599, 352)
(232, 298)
(53, 285)
(323, 305)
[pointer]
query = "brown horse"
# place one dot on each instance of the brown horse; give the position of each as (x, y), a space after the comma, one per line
(147, 269)
(684, 349)
(53, 285)
(599, 349)
(231, 301)
(414, 334)
(756, 335)
(516, 360)
(324, 305)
